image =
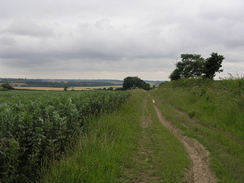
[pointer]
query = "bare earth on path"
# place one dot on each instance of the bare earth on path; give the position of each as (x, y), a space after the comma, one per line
(200, 171)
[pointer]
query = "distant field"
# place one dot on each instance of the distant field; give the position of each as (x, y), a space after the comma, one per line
(61, 89)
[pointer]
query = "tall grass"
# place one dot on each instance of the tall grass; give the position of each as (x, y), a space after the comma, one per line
(213, 113)
(111, 149)
(100, 152)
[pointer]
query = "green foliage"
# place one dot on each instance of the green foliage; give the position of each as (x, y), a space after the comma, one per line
(213, 65)
(190, 82)
(175, 75)
(213, 113)
(3, 89)
(61, 83)
(190, 66)
(100, 151)
(7, 86)
(116, 148)
(135, 82)
(194, 66)
(66, 88)
(37, 126)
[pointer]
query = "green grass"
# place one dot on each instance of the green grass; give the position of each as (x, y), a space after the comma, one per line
(119, 148)
(131, 145)
(95, 159)
(159, 156)
(100, 152)
(212, 113)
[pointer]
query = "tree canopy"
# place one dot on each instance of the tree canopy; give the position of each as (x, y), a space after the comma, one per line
(135, 82)
(213, 65)
(7, 86)
(194, 66)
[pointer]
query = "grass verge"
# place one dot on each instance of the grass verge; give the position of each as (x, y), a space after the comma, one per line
(205, 112)
(159, 156)
(129, 145)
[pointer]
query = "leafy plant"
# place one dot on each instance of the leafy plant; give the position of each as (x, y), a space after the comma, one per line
(37, 127)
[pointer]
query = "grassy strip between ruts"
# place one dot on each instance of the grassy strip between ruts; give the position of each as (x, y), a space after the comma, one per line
(129, 145)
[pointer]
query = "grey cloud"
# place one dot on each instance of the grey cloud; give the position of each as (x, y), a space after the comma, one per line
(213, 10)
(103, 24)
(29, 28)
(7, 41)
(116, 36)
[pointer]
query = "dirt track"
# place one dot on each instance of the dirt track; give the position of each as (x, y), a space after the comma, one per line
(200, 171)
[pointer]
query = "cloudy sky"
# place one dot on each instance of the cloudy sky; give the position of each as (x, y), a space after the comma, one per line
(113, 39)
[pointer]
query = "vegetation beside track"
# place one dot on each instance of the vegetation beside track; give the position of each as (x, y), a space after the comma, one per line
(128, 145)
(36, 127)
(211, 112)
(131, 145)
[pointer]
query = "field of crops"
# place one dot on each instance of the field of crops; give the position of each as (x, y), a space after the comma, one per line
(35, 127)
(62, 89)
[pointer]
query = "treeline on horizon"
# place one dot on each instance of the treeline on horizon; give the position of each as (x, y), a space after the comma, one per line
(59, 83)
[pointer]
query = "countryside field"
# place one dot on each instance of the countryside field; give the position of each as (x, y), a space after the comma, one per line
(135, 136)
(68, 89)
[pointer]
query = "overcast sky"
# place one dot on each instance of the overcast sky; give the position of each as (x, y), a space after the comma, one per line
(113, 39)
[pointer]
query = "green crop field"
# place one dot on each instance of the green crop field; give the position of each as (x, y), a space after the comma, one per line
(118, 136)
(35, 127)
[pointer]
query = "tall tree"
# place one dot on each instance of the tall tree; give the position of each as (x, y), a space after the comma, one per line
(191, 65)
(213, 65)
(194, 66)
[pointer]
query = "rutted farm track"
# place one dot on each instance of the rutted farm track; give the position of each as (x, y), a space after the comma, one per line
(200, 171)
(147, 166)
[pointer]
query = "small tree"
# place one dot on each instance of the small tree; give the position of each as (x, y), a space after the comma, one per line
(213, 65)
(7, 86)
(135, 82)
